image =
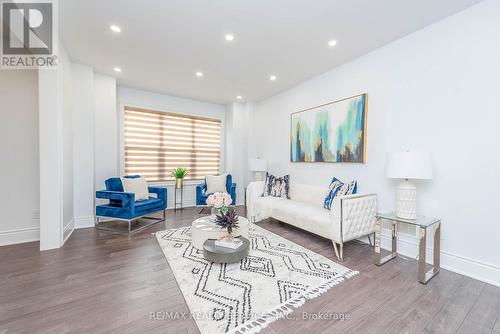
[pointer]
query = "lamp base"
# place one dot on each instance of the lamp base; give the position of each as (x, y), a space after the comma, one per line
(258, 176)
(406, 200)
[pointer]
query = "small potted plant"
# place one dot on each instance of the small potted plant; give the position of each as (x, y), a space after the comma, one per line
(179, 173)
(219, 202)
(229, 221)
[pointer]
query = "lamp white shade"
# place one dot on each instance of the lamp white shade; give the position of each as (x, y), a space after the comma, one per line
(409, 165)
(258, 165)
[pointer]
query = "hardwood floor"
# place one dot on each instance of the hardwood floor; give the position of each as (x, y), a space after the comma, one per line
(107, 283)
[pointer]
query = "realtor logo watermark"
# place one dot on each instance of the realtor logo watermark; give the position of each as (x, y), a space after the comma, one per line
(29, 34)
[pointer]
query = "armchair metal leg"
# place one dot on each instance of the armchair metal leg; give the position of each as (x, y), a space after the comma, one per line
(154, 220)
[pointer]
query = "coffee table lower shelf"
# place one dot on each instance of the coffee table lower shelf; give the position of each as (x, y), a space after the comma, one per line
(219, 254)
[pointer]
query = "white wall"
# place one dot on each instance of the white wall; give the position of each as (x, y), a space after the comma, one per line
(236, 147)
(19, 151)
(84, 105)
(138, 98)
(435, 90)
(105, 130)
(56, 153)
(67, 134)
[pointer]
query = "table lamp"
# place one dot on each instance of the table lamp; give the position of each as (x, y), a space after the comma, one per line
(408, 166)
(258, 166)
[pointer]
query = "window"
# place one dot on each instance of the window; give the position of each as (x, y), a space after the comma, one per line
(157, 142)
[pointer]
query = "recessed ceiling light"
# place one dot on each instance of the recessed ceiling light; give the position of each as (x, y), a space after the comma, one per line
(239, 97)
(272, 77)
(332, 43)
(199, 74)
(229, 37)
(117, 69)
(115, 28)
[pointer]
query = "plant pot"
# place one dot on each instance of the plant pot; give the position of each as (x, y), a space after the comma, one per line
(178, 183)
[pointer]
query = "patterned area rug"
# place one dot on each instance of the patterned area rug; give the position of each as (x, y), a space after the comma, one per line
(276, 277)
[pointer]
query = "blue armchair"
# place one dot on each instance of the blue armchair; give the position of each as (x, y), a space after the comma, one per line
(201, 195)
(123, 206)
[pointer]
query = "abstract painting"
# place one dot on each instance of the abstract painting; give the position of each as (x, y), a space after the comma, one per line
(333, 132)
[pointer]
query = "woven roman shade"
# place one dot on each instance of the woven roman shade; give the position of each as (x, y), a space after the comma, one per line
(157, 142)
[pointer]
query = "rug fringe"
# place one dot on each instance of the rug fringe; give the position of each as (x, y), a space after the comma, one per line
(281, 311)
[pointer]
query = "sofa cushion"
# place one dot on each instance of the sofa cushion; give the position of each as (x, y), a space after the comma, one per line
(276, 186)
(149, 205)
(305, 216)
(263, 207)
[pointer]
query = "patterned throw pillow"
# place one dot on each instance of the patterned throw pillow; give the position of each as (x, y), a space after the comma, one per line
(338, 188)
(276, 186)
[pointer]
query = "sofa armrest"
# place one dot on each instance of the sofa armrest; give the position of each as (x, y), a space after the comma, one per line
(354, 216)
(127, 199)
(160, 192)
(253, 192)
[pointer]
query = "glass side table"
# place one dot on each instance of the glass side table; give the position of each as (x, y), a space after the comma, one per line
(422, 223)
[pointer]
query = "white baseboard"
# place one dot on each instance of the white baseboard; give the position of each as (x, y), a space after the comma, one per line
(408, 246)
(68, 230)
(19, 236)
(84, 222)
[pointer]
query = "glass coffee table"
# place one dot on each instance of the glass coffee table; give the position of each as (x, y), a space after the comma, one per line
(423, 224)
(207, 210)
(204, 228)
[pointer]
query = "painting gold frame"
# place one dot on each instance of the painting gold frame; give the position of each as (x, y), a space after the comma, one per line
(365, 127)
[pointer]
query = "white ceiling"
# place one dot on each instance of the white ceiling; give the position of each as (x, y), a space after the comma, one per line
(163, 43)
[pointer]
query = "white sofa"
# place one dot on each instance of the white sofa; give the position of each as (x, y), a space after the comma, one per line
(350, 217)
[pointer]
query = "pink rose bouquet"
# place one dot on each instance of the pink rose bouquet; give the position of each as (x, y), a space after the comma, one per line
(220, 201)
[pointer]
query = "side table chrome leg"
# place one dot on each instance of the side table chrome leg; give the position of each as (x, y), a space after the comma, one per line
(377, 242)
(423, 275)
(437, 247)
(378, 227)
(421, 254)
(394, 252)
